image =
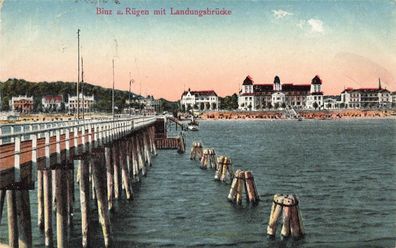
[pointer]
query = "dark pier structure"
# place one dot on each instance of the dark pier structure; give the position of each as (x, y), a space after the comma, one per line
(103, 157)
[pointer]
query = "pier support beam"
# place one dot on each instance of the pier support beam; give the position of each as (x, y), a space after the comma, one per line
(83, 168)
(12, 219)
(69, 173)
(99, 177)
(24, 218)
(49, 240)
(116, 170)
(124, 168)
(61, 207)
(109, 172)
(40, 200)
(2, 199)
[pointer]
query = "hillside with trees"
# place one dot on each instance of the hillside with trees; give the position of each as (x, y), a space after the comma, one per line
(16, 87)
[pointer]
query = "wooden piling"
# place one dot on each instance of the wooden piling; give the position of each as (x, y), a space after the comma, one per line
(53, 178)
(40, 200)
(24, 218)
(83, 167)
(2, 200)
(124, 172)
(285, 231)
(142, 167)
(69, 173)
(109, 172)
(240, 186)
(49, 240)
(116, 162)
(61, 207)
(99, 176)
(12, 219)
(276, 211)
(135, 164)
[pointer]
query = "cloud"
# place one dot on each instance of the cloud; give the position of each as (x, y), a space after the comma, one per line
(301, 24)
(1, 6)
(278, 14)
(316, 25)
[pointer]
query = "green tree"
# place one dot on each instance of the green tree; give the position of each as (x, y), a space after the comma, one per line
(315, 105)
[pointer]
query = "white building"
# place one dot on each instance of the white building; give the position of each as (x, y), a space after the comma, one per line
(277, 95)
(315, 99)
(366, 97)
(199, 100)
(85, 102)
(52, 102)
(393, 98)
(22, 104)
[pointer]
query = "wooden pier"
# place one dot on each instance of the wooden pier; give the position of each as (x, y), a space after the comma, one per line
(162, 141)
(109, 155)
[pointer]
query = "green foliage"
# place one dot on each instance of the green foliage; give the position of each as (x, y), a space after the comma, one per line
(229, 102)
(168, 106)
(14, 87)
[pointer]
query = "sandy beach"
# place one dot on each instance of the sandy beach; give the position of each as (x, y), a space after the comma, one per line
(320, 115)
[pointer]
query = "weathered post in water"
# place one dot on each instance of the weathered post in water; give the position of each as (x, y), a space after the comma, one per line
(24, 218)
(49, 240)
(99, 177)
(61, 207)
(109, 173)
(12, 219)
(83, 167)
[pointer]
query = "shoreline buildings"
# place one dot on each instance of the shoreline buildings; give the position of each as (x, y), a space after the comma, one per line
(83, 103)
(367, 97)
(22, 104)
(52, 102)
(277, 95)
(203, 100)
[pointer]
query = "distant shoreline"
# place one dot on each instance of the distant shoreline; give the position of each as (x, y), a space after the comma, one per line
(313, 115)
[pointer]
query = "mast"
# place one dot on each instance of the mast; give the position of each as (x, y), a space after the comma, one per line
(112, 96)
(82, 87)
(78, 77)
(130, 82)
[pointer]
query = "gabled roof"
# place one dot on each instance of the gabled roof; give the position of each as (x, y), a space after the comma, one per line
(201, 93)
(248, 81)
(316, 80)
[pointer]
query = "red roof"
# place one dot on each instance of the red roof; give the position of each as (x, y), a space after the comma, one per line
(365, 89)
(201, 93)
(296, 87)
(53, 98)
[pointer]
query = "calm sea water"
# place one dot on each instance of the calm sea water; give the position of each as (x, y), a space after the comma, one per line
(344, 173)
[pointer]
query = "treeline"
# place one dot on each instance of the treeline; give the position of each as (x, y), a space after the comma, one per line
(229, 102)
(16, 87)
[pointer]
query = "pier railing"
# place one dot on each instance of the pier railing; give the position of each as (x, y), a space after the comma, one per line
(27, 143)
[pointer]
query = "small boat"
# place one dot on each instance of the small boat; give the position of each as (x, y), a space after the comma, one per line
(193, 125)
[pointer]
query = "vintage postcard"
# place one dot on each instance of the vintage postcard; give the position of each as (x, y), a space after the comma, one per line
(243, 123)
